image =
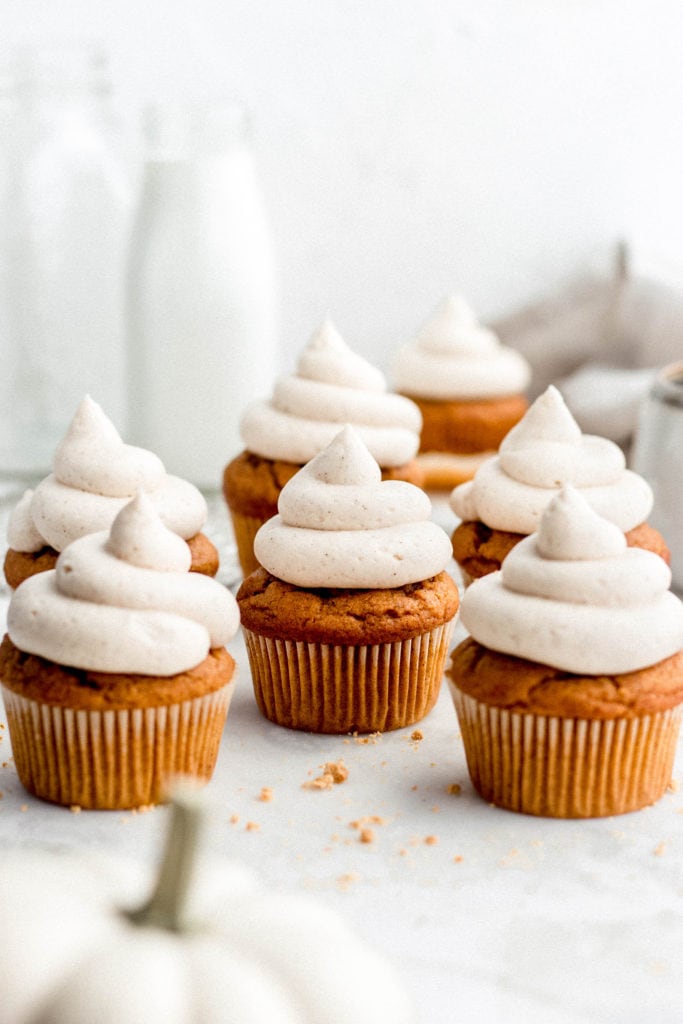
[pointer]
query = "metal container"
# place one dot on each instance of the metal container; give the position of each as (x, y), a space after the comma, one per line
(658, 456)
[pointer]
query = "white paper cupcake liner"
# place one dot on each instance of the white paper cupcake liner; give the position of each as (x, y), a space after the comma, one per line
(566, 767)
(331, 688)
(113, 759)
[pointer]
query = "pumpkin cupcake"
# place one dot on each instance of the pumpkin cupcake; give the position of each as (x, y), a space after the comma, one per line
(94, 475)
(468, 387)
(114, 673)
(509, 493)
(348, 622)
(332, 386)
(569, 690)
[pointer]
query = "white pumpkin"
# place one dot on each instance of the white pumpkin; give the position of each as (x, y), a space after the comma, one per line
(230, 953)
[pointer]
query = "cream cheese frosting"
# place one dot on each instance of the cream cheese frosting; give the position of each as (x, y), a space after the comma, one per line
(94, 475)
(332, 386)
(340, 525)
(543, 451)
(575, 597)
(455, 358)
(123, 601)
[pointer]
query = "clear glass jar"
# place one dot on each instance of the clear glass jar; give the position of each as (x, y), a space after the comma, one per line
(66, 184)
(202, 291)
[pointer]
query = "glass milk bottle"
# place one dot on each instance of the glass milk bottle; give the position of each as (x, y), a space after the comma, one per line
(202, 306)
(65, 217)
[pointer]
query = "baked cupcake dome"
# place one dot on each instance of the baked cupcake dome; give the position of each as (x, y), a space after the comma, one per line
(95, 474)
(114, 672)
(347, 625)
(332, 386)
(509, 493)
(469, 388)
(569, 690)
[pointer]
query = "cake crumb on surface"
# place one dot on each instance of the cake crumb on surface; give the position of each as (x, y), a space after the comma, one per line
(416, 735)
(233, 819)
(344, 881)
(75, 808)
(431, 840)
(660, 849)
(458, 859)
(252, 826)
(266, 794)
(367, 835)
(674, 786)
(454, 789)
(23, 808)
(333, 774)
(372, 738)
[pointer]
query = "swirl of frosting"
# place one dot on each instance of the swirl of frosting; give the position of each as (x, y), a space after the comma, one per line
(332, 386)
(95, 475)
(340, 525)
(124, 601)
(454, 357)
(22, 534)
(575, 597)
(543, 451)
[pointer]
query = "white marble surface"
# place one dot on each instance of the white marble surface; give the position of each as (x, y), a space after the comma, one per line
(503, 918)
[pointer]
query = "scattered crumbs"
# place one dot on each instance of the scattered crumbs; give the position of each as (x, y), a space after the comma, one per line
(23, 808)
(346, 742)
(1, 794)
(372, 738)
(368, 819)
(266, 794)
(143, 809)
(435, 809)
(403, 852)
(537, 842)
(2, 725)
(413, 789)
(5, 764)
(252, 826)
(367, 835)
(431, 840)
(432, 764)
(660, 849)
(618, 835)
(458, 859)
(334, 838)
(75, 808)
(454, 789)
(123, 820)
(416, 735)
(674, 786)
(334, 773)
(344, 881)
(233, 819)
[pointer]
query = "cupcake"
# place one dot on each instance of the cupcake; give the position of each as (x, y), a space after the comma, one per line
(332, 386)
(114, 672)
(505, 500)
(95, 474)
(570, 686)
(348, 622)
(469, 389)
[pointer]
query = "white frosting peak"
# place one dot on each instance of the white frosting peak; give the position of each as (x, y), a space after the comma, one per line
(123, 601)
(332, 386)
(139, 537)
(340, 525)
(571, 531)
(95, 475)
(454, 357)
(543, 451)
(575, 597)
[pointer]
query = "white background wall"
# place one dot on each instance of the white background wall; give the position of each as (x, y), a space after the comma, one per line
(405, 148)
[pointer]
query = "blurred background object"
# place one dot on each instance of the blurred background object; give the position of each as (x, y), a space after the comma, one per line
(202, 304)
(66, 192)
(499, 149)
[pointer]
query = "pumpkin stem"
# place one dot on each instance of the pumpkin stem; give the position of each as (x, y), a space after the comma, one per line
(166, 905)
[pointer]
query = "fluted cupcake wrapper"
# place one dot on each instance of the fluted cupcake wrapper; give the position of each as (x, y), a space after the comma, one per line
(245, 529)
(114, 759)
(566, 767)
(330, 688)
